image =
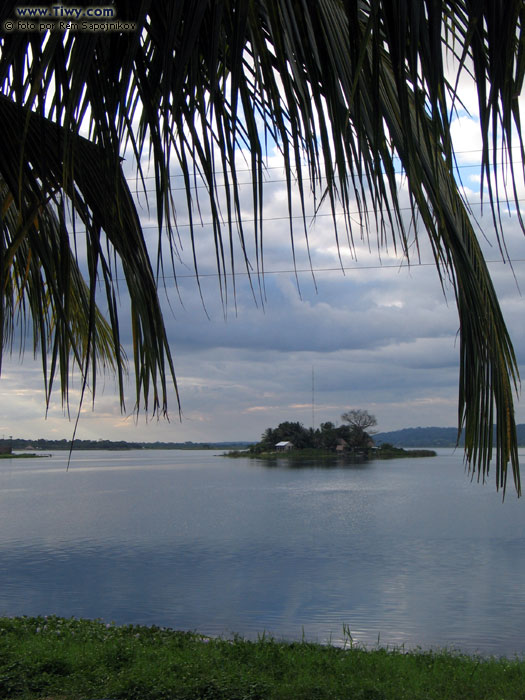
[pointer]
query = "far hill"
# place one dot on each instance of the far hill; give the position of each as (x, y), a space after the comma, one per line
(431, 437)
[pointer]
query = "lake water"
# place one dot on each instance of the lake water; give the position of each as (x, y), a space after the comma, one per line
(402, 552)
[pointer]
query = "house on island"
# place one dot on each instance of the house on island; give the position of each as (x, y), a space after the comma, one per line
(342, 445)
(284, 446)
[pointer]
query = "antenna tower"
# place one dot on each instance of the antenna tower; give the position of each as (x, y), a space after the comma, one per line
(313, 400)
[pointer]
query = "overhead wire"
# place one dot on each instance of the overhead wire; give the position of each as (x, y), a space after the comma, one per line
(137, 178)
(404, 263)
(316, 270)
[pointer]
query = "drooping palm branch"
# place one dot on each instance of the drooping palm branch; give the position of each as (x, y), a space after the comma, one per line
(346, 89)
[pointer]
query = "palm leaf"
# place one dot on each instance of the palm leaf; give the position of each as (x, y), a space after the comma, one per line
(40, 268)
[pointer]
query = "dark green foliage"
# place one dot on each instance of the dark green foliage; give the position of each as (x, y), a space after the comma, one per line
(287, 431)
(326, 437)
(79, 659)
(387, 451)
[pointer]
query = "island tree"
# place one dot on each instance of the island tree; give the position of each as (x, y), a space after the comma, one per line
(327, 437)
(288, 431)
(360, 422)
(348, 90)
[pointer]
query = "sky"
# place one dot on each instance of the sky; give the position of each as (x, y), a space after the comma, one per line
(382, 336)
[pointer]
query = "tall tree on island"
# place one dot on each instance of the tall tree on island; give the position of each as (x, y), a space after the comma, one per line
(360, 422)
(347, 90)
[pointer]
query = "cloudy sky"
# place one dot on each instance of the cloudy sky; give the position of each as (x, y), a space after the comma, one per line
(381, 336)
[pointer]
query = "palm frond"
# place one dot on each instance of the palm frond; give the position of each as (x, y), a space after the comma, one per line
(62, 331)
(40, 274)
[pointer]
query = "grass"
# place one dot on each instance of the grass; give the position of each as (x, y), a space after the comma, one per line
(12, 455)
(58, 659)
(390, 452)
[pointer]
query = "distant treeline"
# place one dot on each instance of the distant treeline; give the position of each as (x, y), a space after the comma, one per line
(431, 437)
(47, 445)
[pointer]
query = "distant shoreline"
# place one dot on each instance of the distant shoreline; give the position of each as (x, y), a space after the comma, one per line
(406, 438)
(43, 445)
(12, 455)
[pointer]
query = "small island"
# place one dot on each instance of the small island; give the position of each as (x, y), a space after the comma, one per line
(352, 440)
(23, 455)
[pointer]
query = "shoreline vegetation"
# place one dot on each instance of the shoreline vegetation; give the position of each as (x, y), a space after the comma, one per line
(350, 442)
(307, 454)
(71, 659)
(42, 444)
(27, 455)
(407, 438)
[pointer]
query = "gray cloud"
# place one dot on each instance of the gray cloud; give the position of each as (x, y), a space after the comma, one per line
(382, 338)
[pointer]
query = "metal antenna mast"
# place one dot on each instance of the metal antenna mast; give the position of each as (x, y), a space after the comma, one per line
(313, 400)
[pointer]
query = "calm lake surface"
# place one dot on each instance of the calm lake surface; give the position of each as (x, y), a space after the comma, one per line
(404, 552)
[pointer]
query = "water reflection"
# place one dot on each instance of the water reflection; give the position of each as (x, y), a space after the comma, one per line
(328, 461)
(409, 550)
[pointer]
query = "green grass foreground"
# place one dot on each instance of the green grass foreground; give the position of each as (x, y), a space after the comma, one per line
(68, 659)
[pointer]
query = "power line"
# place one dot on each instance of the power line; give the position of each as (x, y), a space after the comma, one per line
(137, 178)
(317, 270)
(268, 182)
(312, 216)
